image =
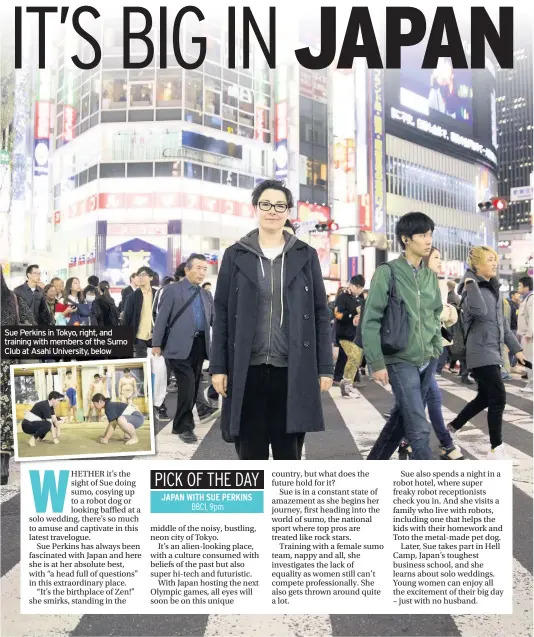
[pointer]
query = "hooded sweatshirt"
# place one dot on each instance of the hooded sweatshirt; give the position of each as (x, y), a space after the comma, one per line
(271, 337)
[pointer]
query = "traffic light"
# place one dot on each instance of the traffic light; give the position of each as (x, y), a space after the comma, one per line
(497, 203)
(328, 226)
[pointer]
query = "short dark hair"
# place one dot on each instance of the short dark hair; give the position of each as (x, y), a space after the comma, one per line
(55, 395)
(56, 278)
(126, 369)
(69, 372)
(133, 275)
(146, 269)
(179, 273)
(31, 268)
(47, 287)
(205, 285)
(167, 280)
(526, 281)
(413, 223)
(272, 184)
(189, 262)
(358, 281)
(93, 280)
(96, 376)
(98, 398)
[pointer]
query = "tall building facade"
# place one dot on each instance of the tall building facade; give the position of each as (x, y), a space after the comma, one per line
(514, 119)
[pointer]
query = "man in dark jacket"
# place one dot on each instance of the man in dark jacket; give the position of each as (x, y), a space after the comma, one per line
(272, 345)
(138, 312)
(129, 289)
(345, 312)
(32, 293)
(188, 343)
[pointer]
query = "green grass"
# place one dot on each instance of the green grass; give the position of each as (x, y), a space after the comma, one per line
(81, 439)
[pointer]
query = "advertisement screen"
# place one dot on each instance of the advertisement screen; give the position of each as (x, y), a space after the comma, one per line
(433, 92)
(448, 109)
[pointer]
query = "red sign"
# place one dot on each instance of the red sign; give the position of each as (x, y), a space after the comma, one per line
(259, 124)
(140, 200)
(190, 201)
(109, 201)
(312, 212)
(168, 200)
(210, 204)
(281, 121)
(42, 120)
(366, 219)
(69, 122)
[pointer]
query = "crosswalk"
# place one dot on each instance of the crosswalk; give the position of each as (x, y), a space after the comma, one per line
(352, 428)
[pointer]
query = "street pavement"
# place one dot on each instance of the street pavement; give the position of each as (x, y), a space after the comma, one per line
(352, 427)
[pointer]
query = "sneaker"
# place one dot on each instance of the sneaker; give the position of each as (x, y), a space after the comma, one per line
(354, 393)
(31, 441)
(506, 376)
(466, 381)
(188, 437)
(404, 451)
(498, 453)
(527, 389)
(452, 431)
(358, 383)
(453, 453)
(337, 383)
(162, 413)
(209, 414)
(345, 386)
(172, 387)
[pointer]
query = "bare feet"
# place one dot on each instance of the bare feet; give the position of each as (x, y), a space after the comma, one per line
(56, 441)
(132, 441)
(31, 441)
(104, 441)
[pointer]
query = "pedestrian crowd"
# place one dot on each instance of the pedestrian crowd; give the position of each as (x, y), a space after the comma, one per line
(271, 336)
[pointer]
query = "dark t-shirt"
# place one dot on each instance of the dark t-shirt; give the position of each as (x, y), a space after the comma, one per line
(43, 409)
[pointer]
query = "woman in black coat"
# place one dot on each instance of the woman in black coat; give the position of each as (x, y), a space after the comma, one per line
(271, 353)
(104, 311)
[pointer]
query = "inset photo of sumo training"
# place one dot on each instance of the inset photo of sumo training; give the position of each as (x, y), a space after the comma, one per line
(82, 409)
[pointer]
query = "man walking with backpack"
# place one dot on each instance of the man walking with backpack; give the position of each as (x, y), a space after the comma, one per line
(402, 336)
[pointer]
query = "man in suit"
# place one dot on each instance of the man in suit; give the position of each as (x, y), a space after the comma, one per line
(188, 344)
(129, 289)
(138, 312)
(32, 293)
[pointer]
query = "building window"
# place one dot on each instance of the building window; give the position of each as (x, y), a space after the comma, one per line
(169, 89)
(193, 91)
(141, 94)
(114, 89)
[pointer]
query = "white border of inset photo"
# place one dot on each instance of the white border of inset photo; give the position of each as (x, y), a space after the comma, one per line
(111, 454)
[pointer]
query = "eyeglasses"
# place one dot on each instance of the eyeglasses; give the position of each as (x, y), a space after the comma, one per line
(142, 274)
(266, 206)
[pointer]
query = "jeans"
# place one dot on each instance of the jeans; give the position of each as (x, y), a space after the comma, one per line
(433, 401)
(491, 394)
(410, 387)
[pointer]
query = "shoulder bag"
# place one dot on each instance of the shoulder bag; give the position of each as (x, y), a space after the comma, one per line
(394, 329)
(179, 313)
